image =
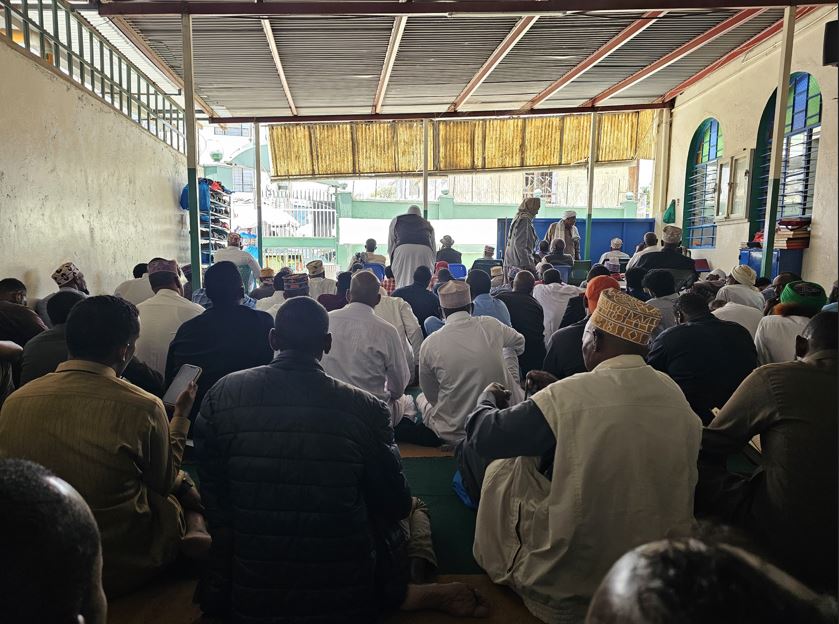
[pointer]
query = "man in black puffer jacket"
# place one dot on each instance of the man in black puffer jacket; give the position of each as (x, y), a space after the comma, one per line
(311, 516)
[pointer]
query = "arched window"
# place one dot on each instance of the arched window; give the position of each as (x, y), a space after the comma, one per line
(801, 149)
(706, 148)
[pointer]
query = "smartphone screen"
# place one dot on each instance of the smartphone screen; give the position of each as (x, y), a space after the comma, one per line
(187, 373)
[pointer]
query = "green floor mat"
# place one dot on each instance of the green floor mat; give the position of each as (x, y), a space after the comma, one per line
(452, 523)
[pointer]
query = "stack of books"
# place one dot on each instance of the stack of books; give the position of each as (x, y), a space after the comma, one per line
(793, 233)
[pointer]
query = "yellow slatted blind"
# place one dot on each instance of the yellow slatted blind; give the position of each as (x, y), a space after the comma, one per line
(409, 147)
(618, 134)
(542, 141)
(375, 148)
(575, 139)
(333, 148)
(503, 146)
(291, 153)
(646, 134)
(457, 145)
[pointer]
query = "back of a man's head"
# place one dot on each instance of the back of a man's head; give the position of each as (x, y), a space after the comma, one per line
(60, 304)
(370, 245)
(51, 570)
(524, 282)
(12, 289)
(301, 324)
(557, 246)
(364, 288)
(389, 272)
(343, 280)
(650, 239)
(551, 276)
(691, 307)
(659, 282)
(635, 278)
(223, 284)
(278, 278)
(691, 581)
(98, 327)
(596, 271)
(821, 332)
(164, 280)
(422, 276)
(140, 270)
(479, 283)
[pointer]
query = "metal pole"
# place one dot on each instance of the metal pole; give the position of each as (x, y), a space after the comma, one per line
(592, 158)
(191, 154)
(258, 189)
(781, 95)
(425, 168)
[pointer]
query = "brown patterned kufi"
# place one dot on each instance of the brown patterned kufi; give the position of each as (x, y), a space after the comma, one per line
(626, 317)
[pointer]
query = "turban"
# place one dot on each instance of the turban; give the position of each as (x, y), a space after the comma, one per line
(616, 243)
(744, 275)
(159, 266)
(805, 294)
(454, 294)
(716, 272)
(595, 286)
(266, 273)
(234, 239)
(447, 241)
(672, 235)
(496, 271)
(625, 317)
(296, 284)
(315, 268)
(66, 273)
(568, 214)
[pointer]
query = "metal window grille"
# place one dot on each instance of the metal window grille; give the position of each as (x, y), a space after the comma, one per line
(701, 196)
(303, 213)
(243, 180)
(54, 32)
(238, 130)
(542, 181)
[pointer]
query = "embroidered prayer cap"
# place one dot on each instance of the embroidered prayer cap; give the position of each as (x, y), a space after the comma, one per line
(744, 275)
(159, 266)
(569, 213)
(596, 286)
(806, 294)
(447, 240)
(496, 271)
(66, 273)
(671, 234)
(296, 283)
(616, 243)
(626, 317)
(315, 267)
(454, 294)
(266, 273)
(489, 251)
(234, 239)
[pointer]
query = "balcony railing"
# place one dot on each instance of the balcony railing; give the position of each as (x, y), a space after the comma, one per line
(52, 31)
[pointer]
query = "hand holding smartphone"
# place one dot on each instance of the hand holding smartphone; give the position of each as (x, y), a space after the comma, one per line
(187, 375)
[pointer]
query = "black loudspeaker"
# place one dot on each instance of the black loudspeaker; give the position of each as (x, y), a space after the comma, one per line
(830, 53)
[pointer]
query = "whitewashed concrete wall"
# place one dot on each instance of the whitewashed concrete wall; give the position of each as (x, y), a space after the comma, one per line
(736, 96)
(80, 182)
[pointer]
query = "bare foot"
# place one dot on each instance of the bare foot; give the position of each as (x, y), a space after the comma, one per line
(197, 541)
(457, 599)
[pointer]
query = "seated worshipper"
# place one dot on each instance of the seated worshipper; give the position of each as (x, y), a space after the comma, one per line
(775, 335)
(649, 245)
(740, 288)
(311, 516)
(773, 293)
(668, 257)
(576, 309)
(389, 282)
(610, 472)
(521, 238)
(140, 269)
(47, 350)
(443, 275)
(245, 263)
(423, 302)
(553, 295)
(661, 287)
(487, 261)
(226, 338)
(10, 354)
(200, 297)
(789, 504)
(564, 356)
(52, 556)
(163, 314)
(557, 254)
(762, 283)
(707, 357)
(496, 275)
(277, 297)
(614, 255)
(369, 255)
(266, 285)
(294, 285)
(458, 361)
(528, 319)
(319, 284)
(339, 299)
(410, 245)
(657, 583)
(67, 277)
(114, 443)
(635, 283)
(447, 252)
(566, 229)
(483, 304)
(368, 352)
(398, 313)
(138, 289)
(543, 249)
(186, 271)
(18, 323)
(744, 315)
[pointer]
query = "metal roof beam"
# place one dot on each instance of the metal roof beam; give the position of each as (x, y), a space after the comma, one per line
(738, 19)
(390, 58)
(626, 35)
(275, 53)
(512, 38)
(418, 7)
(542, 112)
(734, 54)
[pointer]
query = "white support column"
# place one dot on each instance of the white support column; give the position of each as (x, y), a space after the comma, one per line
(425, 168)
(191, 153)
(592, 159)
(775, 159)
(258, 188)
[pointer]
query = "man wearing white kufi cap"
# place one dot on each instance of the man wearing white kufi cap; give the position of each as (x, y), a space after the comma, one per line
(457, 362)
(669, 256)
(566, 229)
(614, 255)
(740, 288)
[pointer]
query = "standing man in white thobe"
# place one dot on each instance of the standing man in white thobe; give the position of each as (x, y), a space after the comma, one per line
(410, 245)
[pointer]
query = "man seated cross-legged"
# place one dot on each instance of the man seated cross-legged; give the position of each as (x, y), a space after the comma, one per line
(310, 513)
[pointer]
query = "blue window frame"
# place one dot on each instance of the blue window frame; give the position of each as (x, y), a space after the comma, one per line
(706, 148)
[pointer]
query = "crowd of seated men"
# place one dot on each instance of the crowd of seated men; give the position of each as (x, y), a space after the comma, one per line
(593, 428)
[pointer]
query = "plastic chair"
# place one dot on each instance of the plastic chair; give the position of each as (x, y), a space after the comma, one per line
(458, 271)
(377, 268)
(564, 271)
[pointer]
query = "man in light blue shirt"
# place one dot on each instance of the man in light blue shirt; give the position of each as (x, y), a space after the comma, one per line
(483, 304)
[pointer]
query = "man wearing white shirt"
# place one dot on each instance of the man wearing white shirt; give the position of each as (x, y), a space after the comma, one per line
(241, 258)
(776, 334)
(367, 351)
(162, 314)
(614, 255)
(459, 360)
(744, 315)
(278, 296)
(554, 296)
(650, 245)
(138, 289)
(661, 286)
(319, 284)
(740, 288)
(398, 313)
